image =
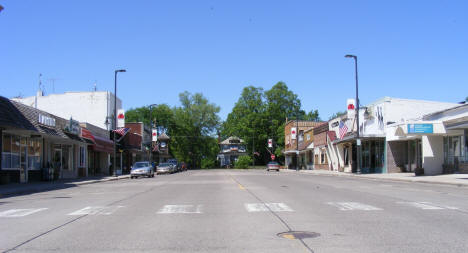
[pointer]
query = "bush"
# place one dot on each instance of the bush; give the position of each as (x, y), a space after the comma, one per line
(207, 163)
(243, 162)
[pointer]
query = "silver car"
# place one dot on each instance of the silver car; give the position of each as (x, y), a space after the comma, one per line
(141, 169)
(164, 168)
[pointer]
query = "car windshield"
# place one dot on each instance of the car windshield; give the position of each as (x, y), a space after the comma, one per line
(140, 165)
(164, 164)
(272, 163)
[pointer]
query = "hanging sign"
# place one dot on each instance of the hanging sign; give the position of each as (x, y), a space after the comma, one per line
(293, 133)
(420, 128)
(120, 118)
(154, 135)
(270, 143)
(351, 107)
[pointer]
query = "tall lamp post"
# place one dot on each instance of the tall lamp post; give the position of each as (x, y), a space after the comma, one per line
(152, 126)
(115, 115)
(358, 141)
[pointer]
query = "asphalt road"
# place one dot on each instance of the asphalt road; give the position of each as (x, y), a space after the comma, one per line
(238, 211)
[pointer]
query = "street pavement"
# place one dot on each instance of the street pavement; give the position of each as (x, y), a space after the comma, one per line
(238, 211)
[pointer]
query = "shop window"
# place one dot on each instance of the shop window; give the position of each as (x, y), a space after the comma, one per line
(310, 157)
(15, 151)
(6, 152)
(452, 149)
(34, 154)
(82, 157)
(66, 153)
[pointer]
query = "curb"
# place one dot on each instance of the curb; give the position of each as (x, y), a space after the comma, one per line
(54, 187)
(382, 179)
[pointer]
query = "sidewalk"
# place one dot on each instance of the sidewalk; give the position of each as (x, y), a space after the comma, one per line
(13, 189)
(448, 179)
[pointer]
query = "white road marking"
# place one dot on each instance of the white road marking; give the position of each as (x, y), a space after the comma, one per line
(20, 212)
(427, 206)
(186, 209)
(265, 207)
(96, 210)
(349, 206)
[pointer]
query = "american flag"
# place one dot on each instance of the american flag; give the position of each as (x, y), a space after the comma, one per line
(343, 129)
(122, 131)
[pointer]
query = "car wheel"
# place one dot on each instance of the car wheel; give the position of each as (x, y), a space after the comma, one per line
(277, 170)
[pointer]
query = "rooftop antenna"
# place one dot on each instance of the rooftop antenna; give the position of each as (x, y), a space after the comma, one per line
(39, 91)
(52, 80)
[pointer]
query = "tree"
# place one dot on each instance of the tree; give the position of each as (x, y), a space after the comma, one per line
(195, 123)
(337, 114)
(190, 126)
(260, 115)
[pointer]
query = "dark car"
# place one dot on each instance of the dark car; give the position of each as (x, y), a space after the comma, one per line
(273, 166)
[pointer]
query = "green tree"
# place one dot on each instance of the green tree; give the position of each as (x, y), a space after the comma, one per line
(195, 124)
(243, 162)
(337, 114)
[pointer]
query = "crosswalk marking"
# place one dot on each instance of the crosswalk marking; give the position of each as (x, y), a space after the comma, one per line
(20, 212)
(184, 209)
(427, 205)
(349, 206)
(96, 210)
(265, 207)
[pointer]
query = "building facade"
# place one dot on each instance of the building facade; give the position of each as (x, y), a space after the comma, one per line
(47, 147)
(292, 131)
(375, 145)
(94, 107)
(230, 150)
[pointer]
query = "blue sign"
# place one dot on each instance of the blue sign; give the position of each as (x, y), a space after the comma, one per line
(420, 129)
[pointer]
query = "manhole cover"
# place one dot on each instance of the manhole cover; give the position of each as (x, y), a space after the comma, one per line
(298, 235)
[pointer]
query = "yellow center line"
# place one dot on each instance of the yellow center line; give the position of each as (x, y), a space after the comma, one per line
(241, 186)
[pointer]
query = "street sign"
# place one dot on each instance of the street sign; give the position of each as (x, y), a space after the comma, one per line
(154, 135)
(120, 118)
(273, 157)
(270, 143)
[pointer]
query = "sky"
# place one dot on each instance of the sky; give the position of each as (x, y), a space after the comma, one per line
(406, 49)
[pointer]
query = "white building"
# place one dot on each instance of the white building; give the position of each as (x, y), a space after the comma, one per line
(442, 139)
(95, 107)
(380, 154)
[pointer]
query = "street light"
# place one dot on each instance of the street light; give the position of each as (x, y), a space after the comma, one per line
(115, 115)
(152, 125)
(358, 141)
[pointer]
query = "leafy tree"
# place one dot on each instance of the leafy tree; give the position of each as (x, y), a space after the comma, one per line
(243, 162)
(337, 114)
(195, 123)
(190, 126)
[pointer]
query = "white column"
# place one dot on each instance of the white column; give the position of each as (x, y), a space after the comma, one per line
(432, 154)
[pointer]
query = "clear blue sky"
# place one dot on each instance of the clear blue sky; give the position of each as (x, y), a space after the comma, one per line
(408, 49)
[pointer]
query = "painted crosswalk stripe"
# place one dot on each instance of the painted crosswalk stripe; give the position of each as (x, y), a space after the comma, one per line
(427, 206)
(349, 206)
(96, 210)
(183, 209)
(20, 212)
(265, 207)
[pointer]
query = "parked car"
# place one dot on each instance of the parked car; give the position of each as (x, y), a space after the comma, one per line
(142, 169)
(273, 166)
(164, 168)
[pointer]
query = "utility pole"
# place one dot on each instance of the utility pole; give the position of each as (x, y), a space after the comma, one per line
(297, 140)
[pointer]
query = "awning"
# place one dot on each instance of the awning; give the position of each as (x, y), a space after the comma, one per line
(103, 145)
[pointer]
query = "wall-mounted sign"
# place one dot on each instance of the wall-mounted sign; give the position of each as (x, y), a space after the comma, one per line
(420, 128)
(270, 143)
(120, 118)
(154, 135)
(293, 133)
(163, 144)
(351, 107)
(73, 127)
(46, 120)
